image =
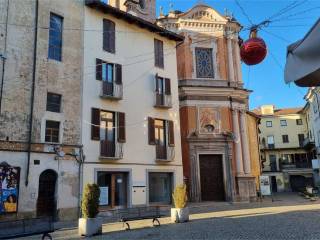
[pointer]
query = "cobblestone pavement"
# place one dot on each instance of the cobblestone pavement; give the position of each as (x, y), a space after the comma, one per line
(289, 218)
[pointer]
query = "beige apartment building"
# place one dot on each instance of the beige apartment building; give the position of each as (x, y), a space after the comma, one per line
(131, 123)
(284, 155)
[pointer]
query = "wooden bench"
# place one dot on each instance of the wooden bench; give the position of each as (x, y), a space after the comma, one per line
(26, 227)
(140, 213)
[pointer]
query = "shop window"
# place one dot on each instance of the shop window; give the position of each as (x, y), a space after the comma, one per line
(160, 188)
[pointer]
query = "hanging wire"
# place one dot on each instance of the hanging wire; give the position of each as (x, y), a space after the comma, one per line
(244, 12)
(276, 36)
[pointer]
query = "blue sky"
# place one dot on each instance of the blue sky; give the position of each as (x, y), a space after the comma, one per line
(266, 80)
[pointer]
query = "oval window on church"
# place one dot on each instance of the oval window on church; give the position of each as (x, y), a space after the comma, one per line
(142, 4)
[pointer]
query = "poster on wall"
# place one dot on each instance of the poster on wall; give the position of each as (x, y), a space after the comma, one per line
(104, 196)
(265, 185)
(9, 188)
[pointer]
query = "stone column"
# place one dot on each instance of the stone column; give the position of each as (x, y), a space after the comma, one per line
(238, 62)
(230, 59)
(237, 141)
(245, 143)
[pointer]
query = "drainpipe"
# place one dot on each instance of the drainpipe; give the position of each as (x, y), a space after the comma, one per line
(3, 56)
(32, 88)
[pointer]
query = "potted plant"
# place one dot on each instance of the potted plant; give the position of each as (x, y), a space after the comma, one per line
(180, 213)
(309, 189)
(89, 224)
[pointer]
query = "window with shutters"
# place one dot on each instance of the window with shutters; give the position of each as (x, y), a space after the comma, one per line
(158, 53)
(53, 102)
(52, 131)
(109, 128)
(55, 37)
(285, 138)
(109, 36)
(163, 98)
(111, 76)
(161, 134)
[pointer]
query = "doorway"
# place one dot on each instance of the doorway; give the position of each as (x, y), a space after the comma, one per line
(113, 189)
(274, 184)
(46, 203)
(211, 178)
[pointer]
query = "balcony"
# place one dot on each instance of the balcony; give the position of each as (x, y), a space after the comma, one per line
(297, 165)
(163, 101)
(164, 154)
(112, 91)
(110, 150)
(307, 143)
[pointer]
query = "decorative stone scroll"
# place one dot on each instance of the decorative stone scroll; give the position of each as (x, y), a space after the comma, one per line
(209, 120)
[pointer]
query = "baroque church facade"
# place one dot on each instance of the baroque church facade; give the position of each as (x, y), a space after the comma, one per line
(218, 162)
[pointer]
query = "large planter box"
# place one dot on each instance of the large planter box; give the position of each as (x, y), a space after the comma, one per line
(179, 215)
(89, 226)
(309, 190)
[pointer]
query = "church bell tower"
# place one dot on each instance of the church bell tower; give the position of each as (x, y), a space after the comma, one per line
(145, 9)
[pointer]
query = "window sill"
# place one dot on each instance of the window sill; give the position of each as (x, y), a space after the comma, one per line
(111, 97)
(54, 60)
(160, 67)
(163, 160)
(102, 158)
(163, 106)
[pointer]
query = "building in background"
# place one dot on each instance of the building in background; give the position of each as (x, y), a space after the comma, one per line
(40, 105)
(131, 124)
(213, 106)
(283, 146)
(253, 122)
(312, 109)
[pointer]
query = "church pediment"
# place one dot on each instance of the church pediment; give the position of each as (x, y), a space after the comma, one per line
(203, 13)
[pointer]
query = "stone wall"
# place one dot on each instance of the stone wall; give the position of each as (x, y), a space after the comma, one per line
(51, 76)
(63, 78)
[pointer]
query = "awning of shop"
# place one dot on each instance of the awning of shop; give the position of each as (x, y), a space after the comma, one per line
(303, 59)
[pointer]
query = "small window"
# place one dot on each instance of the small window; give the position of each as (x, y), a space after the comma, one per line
(109, 36)
(299, 121)
(269, 123)
(52, 131)
(285, 138)
(283, 123)
(142, 4)
(53, 102)
(158, 53)
(55, 37)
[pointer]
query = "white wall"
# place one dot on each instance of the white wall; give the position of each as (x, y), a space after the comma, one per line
(135, 51)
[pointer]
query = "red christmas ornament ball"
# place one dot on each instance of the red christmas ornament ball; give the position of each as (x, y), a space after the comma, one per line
(253, 51)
